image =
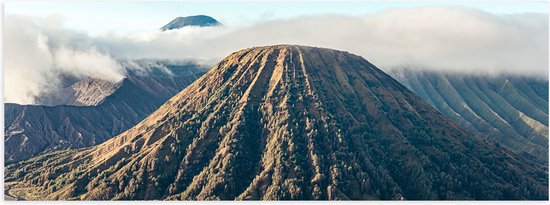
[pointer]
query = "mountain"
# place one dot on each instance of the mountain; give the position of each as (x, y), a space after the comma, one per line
(85, 92)
(505, 109)
(286, 122)
(31, 130)
(199, 20)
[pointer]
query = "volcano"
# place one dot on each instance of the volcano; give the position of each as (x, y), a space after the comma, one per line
(199, 20)
(286, 122)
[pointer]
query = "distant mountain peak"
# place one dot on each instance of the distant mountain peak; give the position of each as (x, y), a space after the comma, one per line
(198, 20)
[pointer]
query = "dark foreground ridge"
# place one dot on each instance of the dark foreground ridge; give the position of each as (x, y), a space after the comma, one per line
(286, 122)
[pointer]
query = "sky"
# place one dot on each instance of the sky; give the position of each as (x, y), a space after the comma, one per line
(44, 40)
(96, 17)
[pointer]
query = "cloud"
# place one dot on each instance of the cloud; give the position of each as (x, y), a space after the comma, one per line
(440, 38)
(87, 63)
(26, 57)
(36, 56)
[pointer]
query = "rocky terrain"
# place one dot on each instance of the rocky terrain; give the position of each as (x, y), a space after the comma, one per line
(286, 122)
(31, 130)
(85, 92)
(505, 109)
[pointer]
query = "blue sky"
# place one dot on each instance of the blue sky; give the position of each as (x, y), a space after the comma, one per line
(126, 16)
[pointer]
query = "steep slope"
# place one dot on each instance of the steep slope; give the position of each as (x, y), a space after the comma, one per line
(509, 110)
(31, 130)
(286, 122)
(199, 20)
(86, 92)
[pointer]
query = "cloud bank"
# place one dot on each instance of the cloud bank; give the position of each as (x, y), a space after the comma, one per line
(439, 38)
(36, 56)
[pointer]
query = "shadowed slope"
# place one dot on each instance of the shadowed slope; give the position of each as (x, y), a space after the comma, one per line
(510, 110)
(31, 130)
(286, 122)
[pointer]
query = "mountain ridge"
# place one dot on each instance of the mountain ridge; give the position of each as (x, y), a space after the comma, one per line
(37, 129)
(286, 122)
(85, 92)
(506, 109)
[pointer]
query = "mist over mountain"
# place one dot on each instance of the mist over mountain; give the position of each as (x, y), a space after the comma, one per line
(85, 92)
(286, 122)
(89, 118)
(438, 38)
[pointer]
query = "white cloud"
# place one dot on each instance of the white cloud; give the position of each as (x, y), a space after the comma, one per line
(88, 63)
(39, 51)
(27, 60)
(443, 38)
